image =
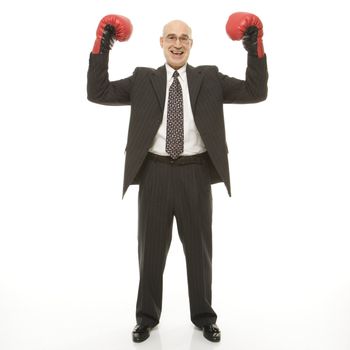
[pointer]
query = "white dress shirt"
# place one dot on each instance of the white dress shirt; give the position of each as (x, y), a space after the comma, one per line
(193, 143)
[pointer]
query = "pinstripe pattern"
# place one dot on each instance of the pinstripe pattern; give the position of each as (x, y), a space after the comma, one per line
(145, 92)
(184, 192)
(167, 190)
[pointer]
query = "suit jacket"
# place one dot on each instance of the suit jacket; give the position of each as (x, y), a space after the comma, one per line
(145, 92)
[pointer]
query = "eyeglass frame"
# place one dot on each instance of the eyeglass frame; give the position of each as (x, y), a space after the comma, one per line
(172, 39)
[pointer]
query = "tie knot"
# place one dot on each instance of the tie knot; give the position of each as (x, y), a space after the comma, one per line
(176, 74)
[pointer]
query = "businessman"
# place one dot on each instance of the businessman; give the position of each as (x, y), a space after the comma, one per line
(176, 148)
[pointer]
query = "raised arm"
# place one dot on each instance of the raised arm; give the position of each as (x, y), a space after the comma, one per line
(99, 88)
(248, 28)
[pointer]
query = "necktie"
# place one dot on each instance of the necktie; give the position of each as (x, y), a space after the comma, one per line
(175, 120)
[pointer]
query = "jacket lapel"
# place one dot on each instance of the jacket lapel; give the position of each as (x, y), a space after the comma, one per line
(159, 84)
(194, 80)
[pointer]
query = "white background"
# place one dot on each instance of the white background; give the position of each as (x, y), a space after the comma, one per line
(68, 247)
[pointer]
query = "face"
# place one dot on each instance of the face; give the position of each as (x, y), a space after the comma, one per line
(176, 43)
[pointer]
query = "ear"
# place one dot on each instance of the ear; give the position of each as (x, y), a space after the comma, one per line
(161, 41)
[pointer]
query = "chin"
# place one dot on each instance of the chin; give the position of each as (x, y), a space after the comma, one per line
(177, 65)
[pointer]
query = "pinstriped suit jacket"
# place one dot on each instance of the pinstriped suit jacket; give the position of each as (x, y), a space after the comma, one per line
(145, 92)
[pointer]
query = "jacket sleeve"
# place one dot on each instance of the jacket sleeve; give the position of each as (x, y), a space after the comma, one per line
(102, 91)
(252, 89)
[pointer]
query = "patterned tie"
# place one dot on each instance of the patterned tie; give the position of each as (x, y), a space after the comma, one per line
(175, 120)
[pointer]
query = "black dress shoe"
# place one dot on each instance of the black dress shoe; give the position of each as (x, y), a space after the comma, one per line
(212, 332)
(140, 333)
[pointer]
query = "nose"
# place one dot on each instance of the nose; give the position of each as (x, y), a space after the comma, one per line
(178, 41)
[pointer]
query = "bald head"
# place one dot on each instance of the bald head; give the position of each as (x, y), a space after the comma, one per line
(177, 24)
(176, 43)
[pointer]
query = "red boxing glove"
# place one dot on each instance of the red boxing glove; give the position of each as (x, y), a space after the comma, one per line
(246, 26)
(110, 28)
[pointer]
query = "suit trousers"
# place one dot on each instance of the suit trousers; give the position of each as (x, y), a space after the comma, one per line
(178, 188)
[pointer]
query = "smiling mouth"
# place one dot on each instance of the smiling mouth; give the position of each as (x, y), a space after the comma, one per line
(177, 53)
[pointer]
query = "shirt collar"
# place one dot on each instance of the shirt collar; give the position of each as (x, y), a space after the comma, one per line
(170, 71)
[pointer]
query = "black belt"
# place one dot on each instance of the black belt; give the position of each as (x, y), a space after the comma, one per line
(197, 158)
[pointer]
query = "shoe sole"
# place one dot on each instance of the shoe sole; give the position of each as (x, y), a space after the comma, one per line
(214, 340)
(140, 340)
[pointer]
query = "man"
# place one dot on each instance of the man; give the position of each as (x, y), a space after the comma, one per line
(176, 149)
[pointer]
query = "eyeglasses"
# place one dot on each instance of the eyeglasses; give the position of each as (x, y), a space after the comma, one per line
(172, 39)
